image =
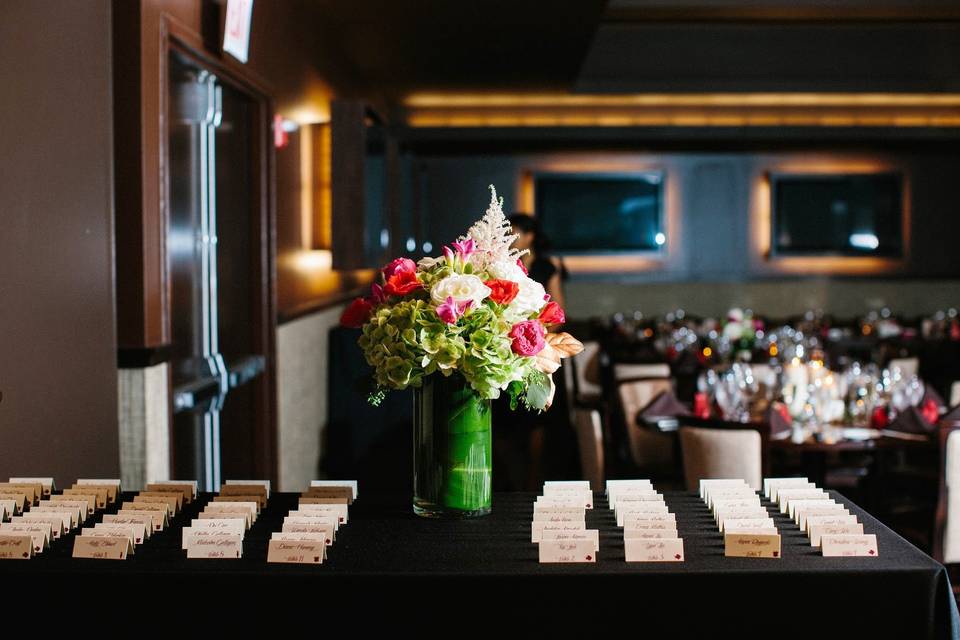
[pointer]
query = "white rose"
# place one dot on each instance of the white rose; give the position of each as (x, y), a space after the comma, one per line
(460, 287)
(426, 263)
(506, 271)
(530, 299)
(733, 331)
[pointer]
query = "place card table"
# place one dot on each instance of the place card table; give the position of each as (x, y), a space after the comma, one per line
(388, 558)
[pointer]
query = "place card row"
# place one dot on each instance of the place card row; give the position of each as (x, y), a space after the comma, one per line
(747, 528)
(312, 527)
(649, 527)
(828, 524)
(559, 526)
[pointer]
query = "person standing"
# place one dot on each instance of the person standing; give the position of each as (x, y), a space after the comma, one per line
(531, 445)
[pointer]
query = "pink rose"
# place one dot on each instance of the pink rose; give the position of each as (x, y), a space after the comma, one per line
(451, 310)
(528, 338)
(400, 265)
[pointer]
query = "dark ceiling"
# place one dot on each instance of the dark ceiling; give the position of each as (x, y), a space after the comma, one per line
(388, 49)
(393, 47)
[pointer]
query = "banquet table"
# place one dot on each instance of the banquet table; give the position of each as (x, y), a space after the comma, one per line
(387, 555)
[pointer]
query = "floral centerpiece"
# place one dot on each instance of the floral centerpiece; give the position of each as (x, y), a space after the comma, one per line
(461, 329)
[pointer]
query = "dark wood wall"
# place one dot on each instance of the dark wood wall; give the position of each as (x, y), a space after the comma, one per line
(293, 67)
(58, 377)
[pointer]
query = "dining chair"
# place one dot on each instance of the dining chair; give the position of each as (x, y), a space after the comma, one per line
(955, 394)
(946, 530)
(583, 376)
(589, 428)
(627, 371)
(721, 453)
(649, 450)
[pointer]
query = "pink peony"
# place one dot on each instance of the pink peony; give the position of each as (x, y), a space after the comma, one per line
(451, 310)
(528, 338)
(400, 265)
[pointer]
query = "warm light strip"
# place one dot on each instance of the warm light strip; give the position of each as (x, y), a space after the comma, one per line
(673, 100)
(684, 110)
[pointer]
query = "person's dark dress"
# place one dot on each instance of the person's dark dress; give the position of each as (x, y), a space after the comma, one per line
(512, 429)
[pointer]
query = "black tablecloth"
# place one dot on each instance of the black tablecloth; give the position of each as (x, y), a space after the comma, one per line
(387, 556)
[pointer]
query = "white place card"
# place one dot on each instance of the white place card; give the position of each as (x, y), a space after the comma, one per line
(748, 523)
(59, 522)
(542, 512)
(192, 483)
(40, 532)
(755, 511)
(580, 484)
(159, 517)
(639, 519)
(725, 493)
(582, 501)
(296, 551)
(784, 496)
(101, 546)
(190, 534)
(660, 525)
(831, 518)
(15, 547)
(73, 517)
(587, 534)
(614, 487)
(115, 482)
(760, 521)
(653, 550)
(638, 508)
(803, 513)
(338, 510)
(302, 535)
(808, 503)
(337, 483)
(849, 545)
(225, 515)
(720, 482)
(225, 546)
(572, 493)
(98, 532)
(126, 518)
(769, 484)
(776, 489)
(537, 529)
(234, 525)
(647, 533)
(46, 483)
(137, 530)
(326, 529)
(817, 531)
(552, 551)
(228, 505)
(260, 483)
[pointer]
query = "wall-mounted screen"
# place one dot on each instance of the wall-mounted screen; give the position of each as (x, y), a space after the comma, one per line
(839, 215)
(601, 213)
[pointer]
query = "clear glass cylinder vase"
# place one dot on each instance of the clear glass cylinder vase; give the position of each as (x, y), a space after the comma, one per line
(452, 449)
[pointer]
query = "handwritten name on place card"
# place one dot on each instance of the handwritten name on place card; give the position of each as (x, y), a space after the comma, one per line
(222, 546)
(101, 548)
(296, 551)
(850, 545)
(647, 550)
(743, 545)
(817, 531)
(552, 551)
(16, 547)
(587, 534)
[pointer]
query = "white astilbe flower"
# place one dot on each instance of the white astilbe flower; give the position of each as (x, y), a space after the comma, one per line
(492, 235)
